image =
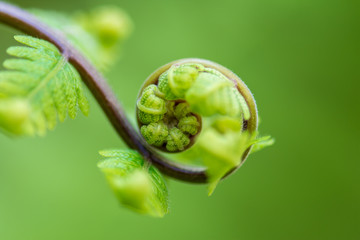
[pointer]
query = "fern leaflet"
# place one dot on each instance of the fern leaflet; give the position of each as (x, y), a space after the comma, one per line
(137, 186)
(38, 87)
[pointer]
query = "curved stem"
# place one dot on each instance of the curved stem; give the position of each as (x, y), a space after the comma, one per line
(25, 22)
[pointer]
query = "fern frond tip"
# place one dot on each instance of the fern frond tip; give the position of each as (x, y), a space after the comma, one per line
(42, 78)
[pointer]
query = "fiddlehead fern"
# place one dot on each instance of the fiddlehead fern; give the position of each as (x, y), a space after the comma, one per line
(206, 104)
(151, 107)
(190, 89)
(203, 101)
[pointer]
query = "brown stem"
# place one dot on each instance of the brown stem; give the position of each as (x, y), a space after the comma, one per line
(25, 22)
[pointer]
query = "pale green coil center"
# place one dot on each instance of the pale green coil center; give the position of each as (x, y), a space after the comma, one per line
(169, 110)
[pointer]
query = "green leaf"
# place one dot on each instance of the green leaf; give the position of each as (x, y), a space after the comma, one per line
(219, 147)
(42, 85)
(137, 186)
(222, 152)
(261, 143)
(212, 93)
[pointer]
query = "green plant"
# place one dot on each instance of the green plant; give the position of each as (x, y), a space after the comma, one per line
(192, 107)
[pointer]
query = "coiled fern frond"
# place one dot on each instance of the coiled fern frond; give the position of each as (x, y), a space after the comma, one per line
(38, 88)
(193, 107)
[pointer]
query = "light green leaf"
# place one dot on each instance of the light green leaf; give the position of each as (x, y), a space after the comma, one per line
(42, 86)
(220, 147)
(137, 186)
(221, 153)
(214, 94)
(261, 143)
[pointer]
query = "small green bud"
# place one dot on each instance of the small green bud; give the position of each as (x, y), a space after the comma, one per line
(165, 88)
(182, 110)
(155, 133)
(178, 79)
(177, 140)
(151, 107)
(212, 94)
(109, 24)
(170, 106)
(15, 116)
(203, 96)
(189, 125)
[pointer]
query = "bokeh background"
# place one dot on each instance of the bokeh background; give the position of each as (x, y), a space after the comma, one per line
(300, 58)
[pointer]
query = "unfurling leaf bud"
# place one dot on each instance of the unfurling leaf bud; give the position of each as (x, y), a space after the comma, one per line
(109, 24)
(151, 107)
(165, 88)
(155, 133)
(212, 94)
(182, 110)
(189, 125)
(178, 79)
(177, 140)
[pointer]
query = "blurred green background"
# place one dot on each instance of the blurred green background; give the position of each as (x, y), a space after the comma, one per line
(301, 61)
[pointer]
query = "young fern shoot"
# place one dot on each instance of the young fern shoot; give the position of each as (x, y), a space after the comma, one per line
(194, 111)
(198, 101)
